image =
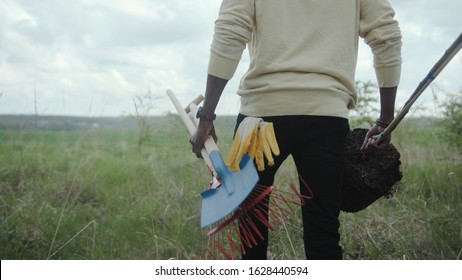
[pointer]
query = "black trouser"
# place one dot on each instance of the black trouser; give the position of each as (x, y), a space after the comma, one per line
(317, 145)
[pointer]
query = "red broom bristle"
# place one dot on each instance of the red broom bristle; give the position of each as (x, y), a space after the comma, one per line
(237, 231)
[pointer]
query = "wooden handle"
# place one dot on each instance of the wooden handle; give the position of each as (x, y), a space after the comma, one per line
(181, 111)
(205, 154)
(190, 125)
(196, 101)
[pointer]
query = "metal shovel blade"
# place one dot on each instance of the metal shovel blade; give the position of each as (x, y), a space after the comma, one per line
(217, 204)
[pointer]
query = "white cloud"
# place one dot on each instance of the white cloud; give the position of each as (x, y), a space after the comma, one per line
(86, 57)
(100, 52)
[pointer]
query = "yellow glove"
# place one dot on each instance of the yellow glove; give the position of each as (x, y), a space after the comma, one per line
(245, 142)
(267, 145)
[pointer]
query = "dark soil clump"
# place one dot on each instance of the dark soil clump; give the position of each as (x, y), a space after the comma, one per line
(369, 176)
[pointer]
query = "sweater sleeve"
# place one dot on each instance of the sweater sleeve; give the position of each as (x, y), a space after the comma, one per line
(233, 30)
(382, 33)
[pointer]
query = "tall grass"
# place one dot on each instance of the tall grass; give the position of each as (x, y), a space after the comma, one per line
(92, 194)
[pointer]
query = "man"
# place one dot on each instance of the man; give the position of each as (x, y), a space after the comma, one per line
(301, 78)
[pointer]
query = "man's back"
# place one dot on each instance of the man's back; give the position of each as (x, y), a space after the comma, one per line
(303, 52)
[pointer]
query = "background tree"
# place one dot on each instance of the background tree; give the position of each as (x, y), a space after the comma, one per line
(367, 109)
(452, 117)
(143, 104)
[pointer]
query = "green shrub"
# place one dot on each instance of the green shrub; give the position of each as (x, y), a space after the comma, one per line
(452, 122)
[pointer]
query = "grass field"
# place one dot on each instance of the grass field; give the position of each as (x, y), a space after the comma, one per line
(90, 193)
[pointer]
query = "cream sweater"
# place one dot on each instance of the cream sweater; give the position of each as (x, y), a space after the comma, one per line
(303, 53)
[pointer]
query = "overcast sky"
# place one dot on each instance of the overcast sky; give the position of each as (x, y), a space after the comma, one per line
(90, 57)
